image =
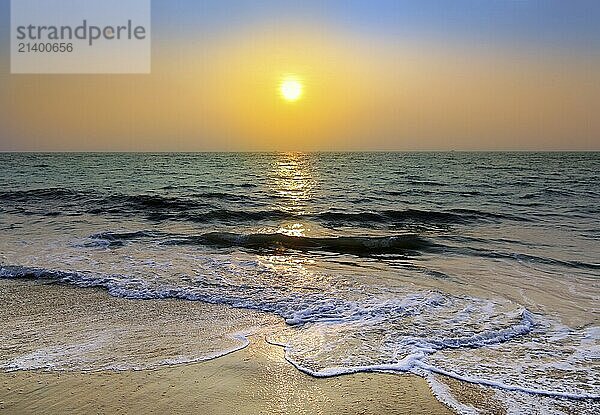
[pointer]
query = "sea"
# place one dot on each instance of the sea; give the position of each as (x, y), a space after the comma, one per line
(477, 268)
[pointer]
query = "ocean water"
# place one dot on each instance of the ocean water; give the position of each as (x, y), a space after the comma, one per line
(478, 267)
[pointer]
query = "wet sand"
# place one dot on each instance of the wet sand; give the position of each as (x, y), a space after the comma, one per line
(254, 380)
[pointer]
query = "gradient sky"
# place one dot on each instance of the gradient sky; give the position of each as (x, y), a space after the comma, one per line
(379, 75)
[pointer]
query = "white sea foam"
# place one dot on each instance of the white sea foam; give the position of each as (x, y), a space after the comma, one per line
(334, 330)
(68, 357)
(500, 385)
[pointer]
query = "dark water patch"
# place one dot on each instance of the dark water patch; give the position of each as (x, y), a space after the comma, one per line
(108, 201)
(423, 216)
(530, 196)
(453, 216)
(481, 214)
(531, 204)
(342, 245)
(425, 183)
(396, 192)
(219, 195)
(149, 202)
(38, 194)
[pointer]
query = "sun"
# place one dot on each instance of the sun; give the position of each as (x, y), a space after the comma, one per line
(291, 88)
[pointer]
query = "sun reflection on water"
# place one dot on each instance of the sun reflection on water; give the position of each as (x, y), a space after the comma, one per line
(293, 182)
(293, 229)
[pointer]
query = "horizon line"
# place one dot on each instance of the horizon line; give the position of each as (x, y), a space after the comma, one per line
(281, 151)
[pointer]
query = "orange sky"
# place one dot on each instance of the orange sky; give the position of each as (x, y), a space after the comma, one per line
(360, 93)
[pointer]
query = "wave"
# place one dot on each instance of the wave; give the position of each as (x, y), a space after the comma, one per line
(199, 207)
(403, 244)
(359, 245)
(117, 239)
(151, 203)
(391, 216)
(38, 194)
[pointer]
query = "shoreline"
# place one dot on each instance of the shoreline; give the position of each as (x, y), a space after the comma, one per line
(254, 380)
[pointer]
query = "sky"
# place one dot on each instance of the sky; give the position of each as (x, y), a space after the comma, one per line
(376, 75)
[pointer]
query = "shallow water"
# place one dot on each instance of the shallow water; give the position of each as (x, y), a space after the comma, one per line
(481, 266)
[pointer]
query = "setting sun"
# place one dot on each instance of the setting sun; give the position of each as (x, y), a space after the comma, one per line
(291, 89)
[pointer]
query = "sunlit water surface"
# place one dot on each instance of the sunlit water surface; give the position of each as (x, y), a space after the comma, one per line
(483, 267)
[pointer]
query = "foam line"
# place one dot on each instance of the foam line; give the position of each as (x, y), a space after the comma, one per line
(504, 386)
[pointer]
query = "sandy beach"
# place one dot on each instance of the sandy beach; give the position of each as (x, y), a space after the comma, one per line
(254, 380)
